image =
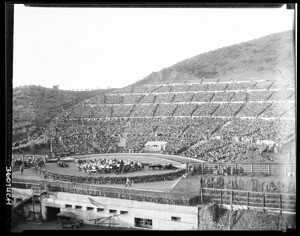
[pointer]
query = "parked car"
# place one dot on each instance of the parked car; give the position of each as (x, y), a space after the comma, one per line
(68, 219)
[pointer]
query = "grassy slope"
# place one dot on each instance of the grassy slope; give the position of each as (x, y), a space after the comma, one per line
(269, 57)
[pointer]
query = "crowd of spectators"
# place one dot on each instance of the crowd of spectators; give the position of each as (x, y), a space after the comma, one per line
(262, 85)
(260, 95)
(203, 97)
(206, 109)
(227, 109)
(217, 87)
(143, 110)
(239, 96)
(275, 110)
(180, 88)
(101, 111)
(185, 109)
(121, 110)
(183, 97)
(165, 109)
(253, 109)
(108, 166)
(163, 89)
(113, 99)
(77, 137)
(281, 95)
(81, 111)
(198, 87)
(164, 98)
(149, 98)
(131, 98)
(222, 97)
(143, 89)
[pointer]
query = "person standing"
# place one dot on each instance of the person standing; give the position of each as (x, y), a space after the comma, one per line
(128, 182)
(22, 168)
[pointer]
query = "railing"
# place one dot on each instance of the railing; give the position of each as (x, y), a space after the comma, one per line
(250, 200)
(237, 168)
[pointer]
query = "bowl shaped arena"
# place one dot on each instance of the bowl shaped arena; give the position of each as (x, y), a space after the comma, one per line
(143, 158)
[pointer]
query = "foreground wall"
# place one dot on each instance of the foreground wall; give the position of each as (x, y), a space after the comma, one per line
(158, 216)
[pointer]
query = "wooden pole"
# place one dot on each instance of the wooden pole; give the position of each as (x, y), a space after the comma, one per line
(264, 202)
(248, 200)
(280, 203)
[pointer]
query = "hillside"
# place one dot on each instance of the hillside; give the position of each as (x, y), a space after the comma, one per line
(270, 57)
(35, 106)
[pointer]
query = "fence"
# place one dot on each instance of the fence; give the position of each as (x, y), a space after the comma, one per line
(112, 180)
(237, 168)
(129, 194)
(251, 200)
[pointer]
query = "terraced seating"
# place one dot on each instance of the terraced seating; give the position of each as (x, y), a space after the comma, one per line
(164, 98)
(236, 86)
(217, 87)
(262, 85)
(163, 89)
(83, 111)
(222, 97)
(205, 109)
(143, 111)
(127, 89)
(290, 113)
(97, 100)
(253, 109)
(165, 109)
(121, 110)
(198, 87)
(202, 97)
(149, 98)
(185, 109)
(113, 99)
(183, 97)
(260, 95)
(276, 109)
(142, 89)
(281, 95)
(180, 88)
(101, 111)
(131, 98)
(240, 96)
(227, 109)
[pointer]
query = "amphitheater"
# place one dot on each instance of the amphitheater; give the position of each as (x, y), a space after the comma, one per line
(203, 123)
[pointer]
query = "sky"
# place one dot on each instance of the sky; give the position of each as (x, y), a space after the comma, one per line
(99, 48)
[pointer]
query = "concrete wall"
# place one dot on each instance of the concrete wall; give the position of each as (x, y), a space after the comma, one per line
(159, 213)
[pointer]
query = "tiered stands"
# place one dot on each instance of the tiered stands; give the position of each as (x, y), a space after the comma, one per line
(253, 109)
(239, 96)
(102, 111)
(185, 109)
(203, 97)
(206, 109)
(143, 111)
(227, 109)
(164, 98)
(121, 110)
(260, 95)
(183, 97)
(131, 98)
(222, 96)
(165, 109)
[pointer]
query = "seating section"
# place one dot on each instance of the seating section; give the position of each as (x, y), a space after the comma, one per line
(281, 95)
(97, 100)
(121, 110)
(163, 89)
(183, 97)
(217, 87)
(83, 111)
(262, 85)
(114, 99)
(180, 88)
(164, 98)
(203, 97)
(165, 109)
(239, 96)
(101, 111)
(185, 109)
(198, 87)
(227, 109)
(222, 96)
(206, 109)
(142, 89)
(260, 95)
(253, 109)
(143, 111)
(131, 98)
(149, 98)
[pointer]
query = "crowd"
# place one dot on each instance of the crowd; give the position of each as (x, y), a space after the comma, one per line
(222, 97)
(253, 109)
(149, 98)
(121, 110)
(78, 137)
(113, 99)
(240, 96)
(217, 87)
(108, 166)
(281, 95)
(101, 111)
(165, 109)
(206, 109)
(144, 110)
(262, 85)
(227, 109)
(131, 98)
(163, 89)
(180, 88)
(183, 97)
(203, 97)
(164, 98)
(198, 87)
(260, 95)
(185, 109)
